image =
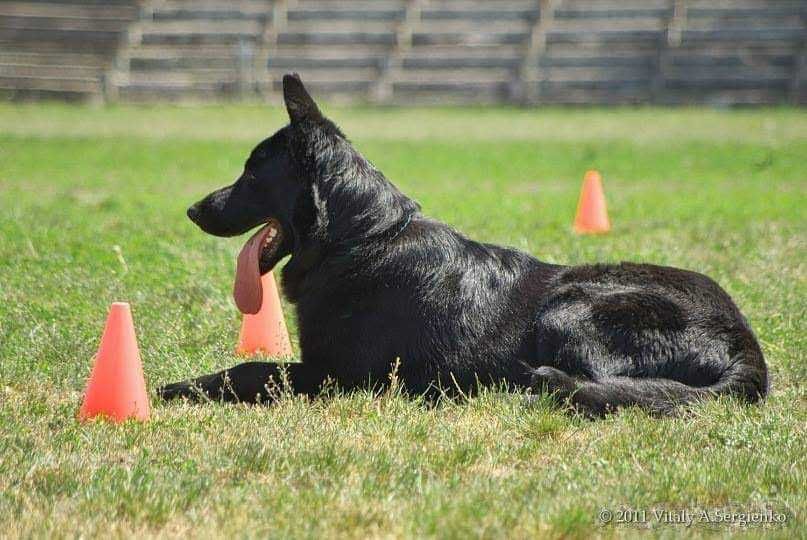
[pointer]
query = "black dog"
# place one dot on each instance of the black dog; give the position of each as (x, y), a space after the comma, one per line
(373, 280)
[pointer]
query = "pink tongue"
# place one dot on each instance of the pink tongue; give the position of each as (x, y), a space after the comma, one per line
(247, 290)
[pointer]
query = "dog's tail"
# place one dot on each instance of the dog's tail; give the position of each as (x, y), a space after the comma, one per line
(745, 377)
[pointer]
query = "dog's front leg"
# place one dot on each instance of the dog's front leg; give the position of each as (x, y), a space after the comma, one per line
(247, 383)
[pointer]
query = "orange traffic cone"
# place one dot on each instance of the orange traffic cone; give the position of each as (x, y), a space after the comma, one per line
(592, 215)
(265, 332)
(116, 388)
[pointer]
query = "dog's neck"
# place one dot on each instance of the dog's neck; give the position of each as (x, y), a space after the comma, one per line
(313, 250)
(349, 200)
(350, 205)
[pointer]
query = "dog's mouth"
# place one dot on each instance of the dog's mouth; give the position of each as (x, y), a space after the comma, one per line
(257, 257)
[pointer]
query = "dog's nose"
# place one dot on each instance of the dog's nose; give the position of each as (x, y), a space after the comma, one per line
(193, 213)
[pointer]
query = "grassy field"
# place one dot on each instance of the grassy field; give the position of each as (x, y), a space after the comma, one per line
(92, 211)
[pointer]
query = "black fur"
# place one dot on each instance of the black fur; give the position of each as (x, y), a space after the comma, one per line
(373, 280)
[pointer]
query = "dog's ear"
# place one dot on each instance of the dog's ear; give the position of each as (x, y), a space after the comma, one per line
(299, 103)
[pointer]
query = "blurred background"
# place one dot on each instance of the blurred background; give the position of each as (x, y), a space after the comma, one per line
(600, 52)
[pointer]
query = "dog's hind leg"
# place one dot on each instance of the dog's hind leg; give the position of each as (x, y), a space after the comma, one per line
(603, 396)
(744, 379)
(246, 383)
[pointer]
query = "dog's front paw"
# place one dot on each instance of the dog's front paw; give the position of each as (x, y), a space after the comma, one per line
(179, 390)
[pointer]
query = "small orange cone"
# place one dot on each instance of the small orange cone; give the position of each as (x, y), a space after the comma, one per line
(116, 388)
(265, 332)
(592, 215)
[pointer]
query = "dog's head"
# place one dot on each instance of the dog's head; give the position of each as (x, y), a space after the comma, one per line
(307, 185)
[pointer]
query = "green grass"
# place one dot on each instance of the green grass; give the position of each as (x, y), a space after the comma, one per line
(92, 211)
